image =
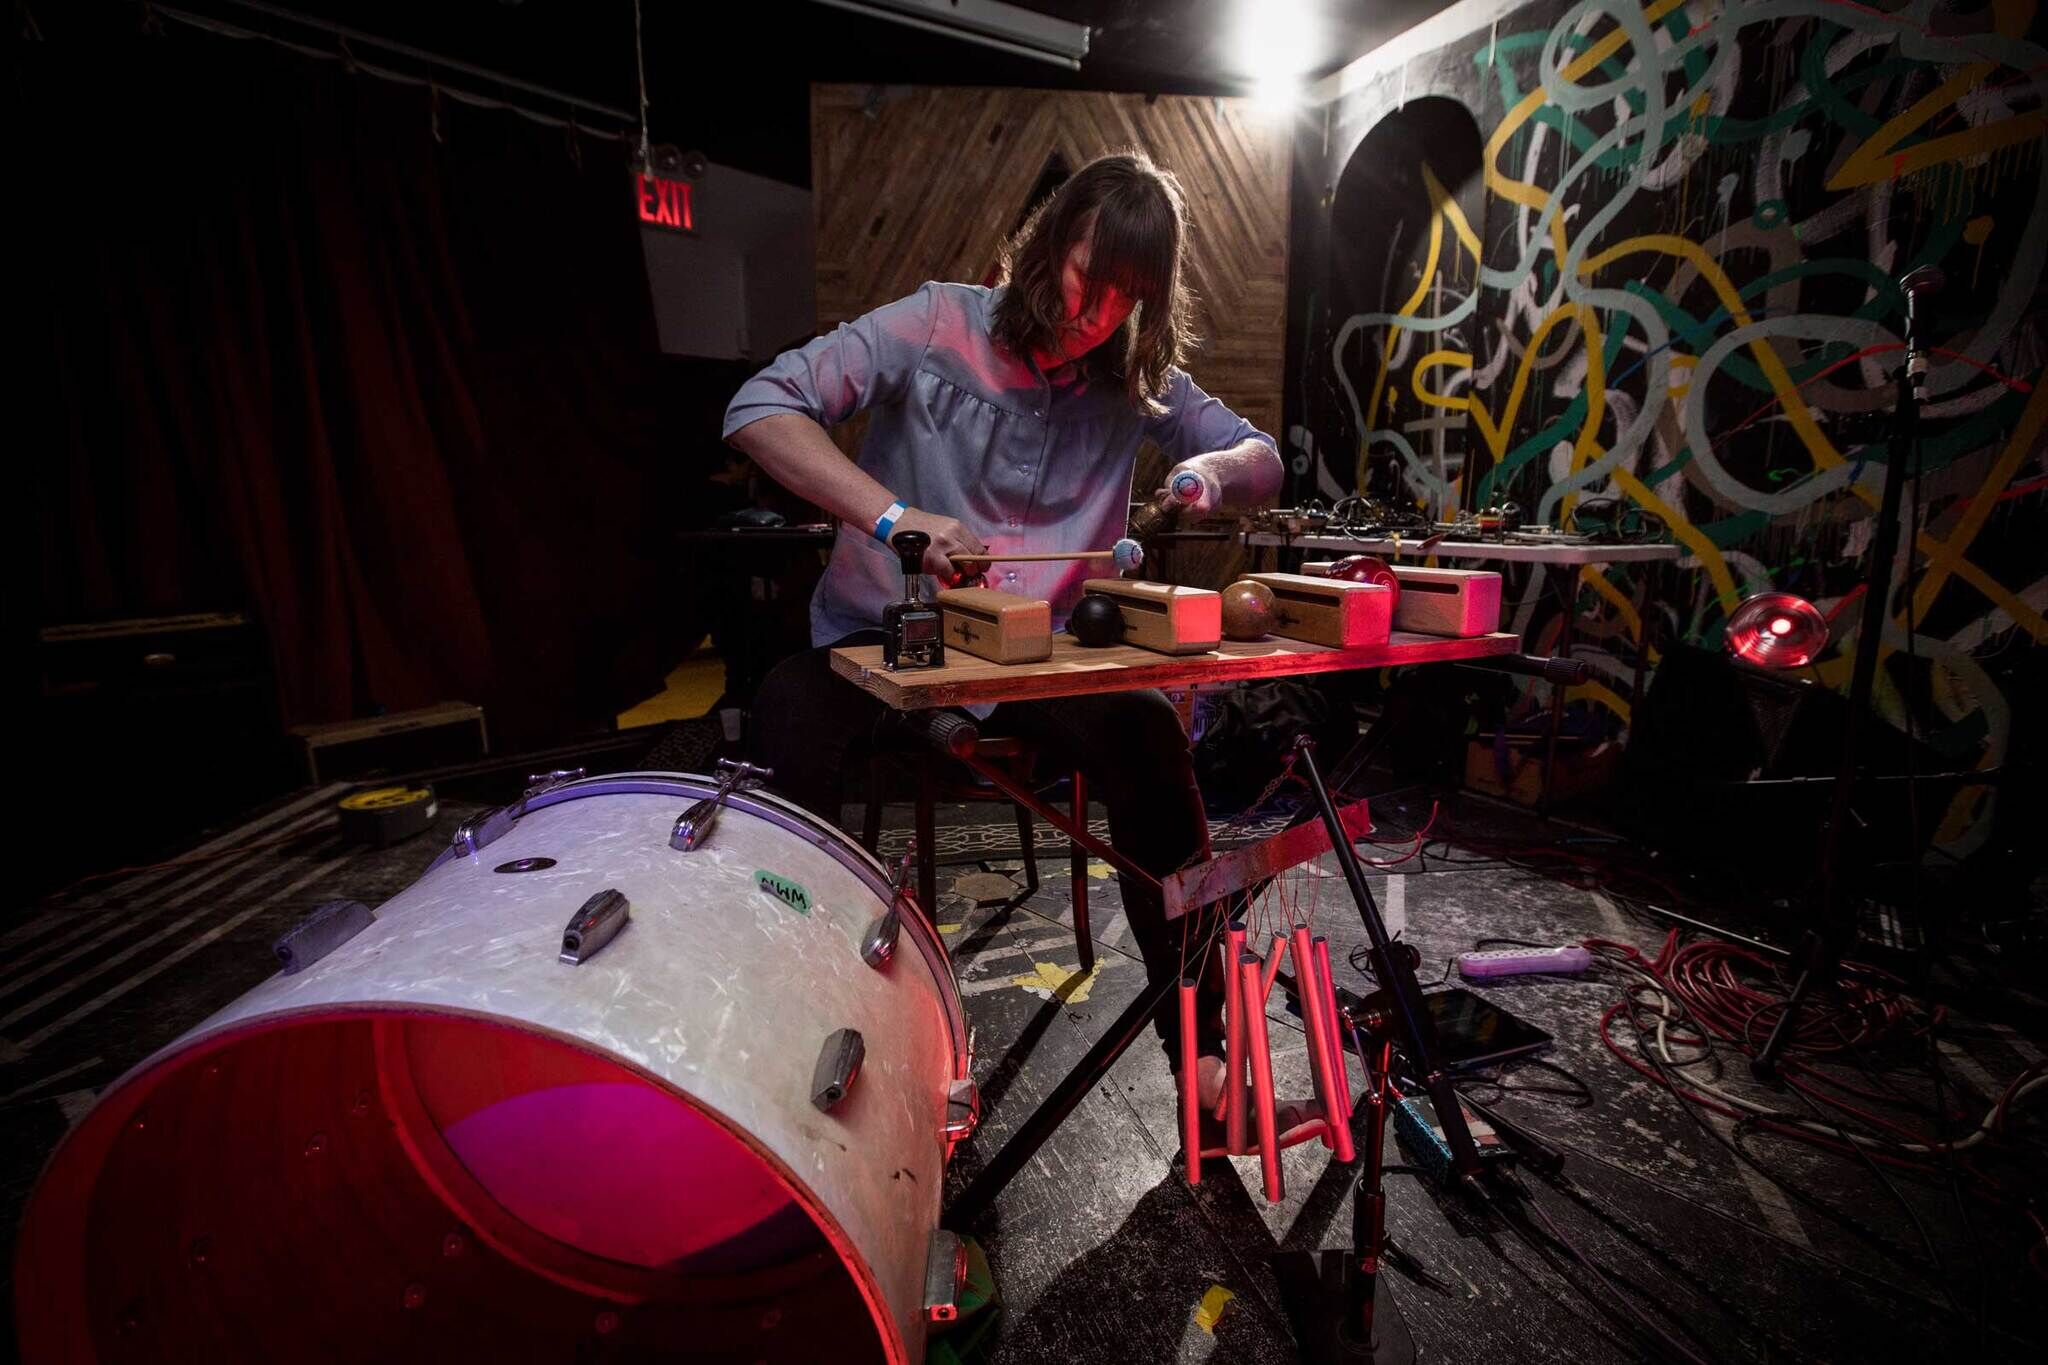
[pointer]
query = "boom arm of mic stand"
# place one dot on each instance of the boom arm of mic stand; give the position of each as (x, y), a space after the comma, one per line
(1417, 1029)
(1566, 672)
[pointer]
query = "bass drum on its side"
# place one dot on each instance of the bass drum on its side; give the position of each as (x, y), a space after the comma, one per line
(442, 1142)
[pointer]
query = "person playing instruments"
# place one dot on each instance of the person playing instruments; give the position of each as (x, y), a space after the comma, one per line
(1008, 420)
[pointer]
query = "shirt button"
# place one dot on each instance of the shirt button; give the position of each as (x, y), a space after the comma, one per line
(1023, 469)
(1013, 522)
(1012, 575)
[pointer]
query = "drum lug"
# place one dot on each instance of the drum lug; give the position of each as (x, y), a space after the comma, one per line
(945, 1275)
(478, 833)
(593, 925)
(475, 835)
(963, 1111)
(838, 1067)
(320, 933)
(693, 826)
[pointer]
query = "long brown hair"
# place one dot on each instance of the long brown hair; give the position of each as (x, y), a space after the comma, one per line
(1135, 218)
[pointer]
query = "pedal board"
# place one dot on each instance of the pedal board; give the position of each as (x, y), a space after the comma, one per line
(1422, 1137)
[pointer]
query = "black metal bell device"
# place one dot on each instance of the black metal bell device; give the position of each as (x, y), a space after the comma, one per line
(916, 637)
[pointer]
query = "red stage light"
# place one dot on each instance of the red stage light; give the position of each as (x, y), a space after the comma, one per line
(1777, 630)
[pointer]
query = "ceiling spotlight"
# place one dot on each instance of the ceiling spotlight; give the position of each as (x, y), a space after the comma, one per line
(1777, 630)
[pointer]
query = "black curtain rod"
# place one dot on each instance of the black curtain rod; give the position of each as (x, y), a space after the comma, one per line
(358, 36)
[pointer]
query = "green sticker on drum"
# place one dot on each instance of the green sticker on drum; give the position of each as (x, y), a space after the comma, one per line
(784, 890)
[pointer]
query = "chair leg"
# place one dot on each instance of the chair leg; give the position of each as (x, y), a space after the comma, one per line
(871, 820)
(927, 852)
(1029, 845)
(1077, 867)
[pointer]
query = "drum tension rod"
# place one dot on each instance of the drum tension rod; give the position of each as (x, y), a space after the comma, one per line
(693, 826)
(878, 945)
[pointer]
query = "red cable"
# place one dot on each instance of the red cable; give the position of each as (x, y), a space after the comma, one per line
(1420, 836)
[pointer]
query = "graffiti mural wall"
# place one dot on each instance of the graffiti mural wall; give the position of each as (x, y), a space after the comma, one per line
(1667, 291)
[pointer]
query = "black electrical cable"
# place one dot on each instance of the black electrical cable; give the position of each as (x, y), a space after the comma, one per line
(1360, 960)
(1955, 1185)
(1578, 1095)
(1674, 1081)
(1521, 1195)
(1933, 1256)
(1687, 1104)
(1694, 1280)
(1526, 1200)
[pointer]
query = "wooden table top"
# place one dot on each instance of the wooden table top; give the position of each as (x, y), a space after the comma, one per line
(1075, 670)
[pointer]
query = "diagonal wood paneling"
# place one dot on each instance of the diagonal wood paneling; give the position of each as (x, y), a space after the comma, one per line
(913, 184)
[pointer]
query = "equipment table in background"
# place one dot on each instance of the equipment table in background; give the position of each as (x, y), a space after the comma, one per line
(1505, 552)
(1076, 670)
(1500, 552)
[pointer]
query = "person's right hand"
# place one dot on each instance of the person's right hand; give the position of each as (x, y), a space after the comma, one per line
(949, 538)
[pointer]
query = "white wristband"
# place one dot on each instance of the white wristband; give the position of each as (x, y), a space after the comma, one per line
(886, 523)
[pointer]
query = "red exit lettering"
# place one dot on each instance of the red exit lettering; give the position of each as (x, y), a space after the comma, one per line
(664, 203)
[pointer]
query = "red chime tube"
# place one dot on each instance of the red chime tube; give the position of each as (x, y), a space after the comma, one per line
(1322, 1065)
(1250, 971)
(1190, 1084)
(1328, 996)
(1233, 1041)
(1272, 966)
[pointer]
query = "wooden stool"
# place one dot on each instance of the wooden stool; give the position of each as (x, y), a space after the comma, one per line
(942, 779)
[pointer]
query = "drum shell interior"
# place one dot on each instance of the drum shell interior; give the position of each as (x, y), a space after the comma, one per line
(442, 1141)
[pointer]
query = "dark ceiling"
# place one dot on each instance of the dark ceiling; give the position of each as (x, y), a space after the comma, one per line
(731, 79)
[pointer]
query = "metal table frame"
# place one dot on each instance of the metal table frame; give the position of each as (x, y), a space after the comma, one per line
(954, 734)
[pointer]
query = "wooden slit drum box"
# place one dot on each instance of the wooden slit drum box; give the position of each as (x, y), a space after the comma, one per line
(1164, 618)
(1456, 602)
(1002, 627)
(1329, 611)
(1462, 603)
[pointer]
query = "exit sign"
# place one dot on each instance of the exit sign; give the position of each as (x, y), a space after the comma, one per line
(664, 203)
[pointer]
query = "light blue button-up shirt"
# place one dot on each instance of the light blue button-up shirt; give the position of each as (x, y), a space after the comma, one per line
(1030, 461)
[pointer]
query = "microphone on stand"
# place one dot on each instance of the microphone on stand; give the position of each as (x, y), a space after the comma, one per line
(1919, 284)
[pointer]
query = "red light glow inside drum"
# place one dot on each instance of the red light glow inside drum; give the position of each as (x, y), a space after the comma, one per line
(1777, 630)
(394, 1186)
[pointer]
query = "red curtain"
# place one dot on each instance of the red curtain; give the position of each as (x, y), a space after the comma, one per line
(376, 367)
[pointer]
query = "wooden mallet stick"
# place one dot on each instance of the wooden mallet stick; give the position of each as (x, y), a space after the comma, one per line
(1127, 555)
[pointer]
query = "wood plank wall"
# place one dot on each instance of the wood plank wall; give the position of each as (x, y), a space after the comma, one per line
(917, 183)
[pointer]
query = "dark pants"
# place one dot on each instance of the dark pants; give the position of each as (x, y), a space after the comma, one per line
(811, 726)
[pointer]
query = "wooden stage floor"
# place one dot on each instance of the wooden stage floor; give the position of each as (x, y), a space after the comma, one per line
(1101, 1252)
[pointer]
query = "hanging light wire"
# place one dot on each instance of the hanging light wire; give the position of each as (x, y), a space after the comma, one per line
(640, 66)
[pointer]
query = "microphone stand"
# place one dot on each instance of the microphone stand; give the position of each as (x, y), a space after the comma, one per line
(1339, 1302)
(1818, 956)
